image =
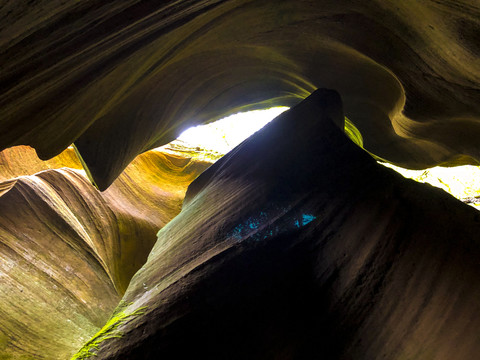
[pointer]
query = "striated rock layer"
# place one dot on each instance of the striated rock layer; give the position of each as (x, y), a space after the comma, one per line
(22, 160)
(298, 245)
(67, 251)
(135, 73)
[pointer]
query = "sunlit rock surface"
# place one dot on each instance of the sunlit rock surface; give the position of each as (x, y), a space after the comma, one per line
(22, 160)
(67, 251)
(298, 245)
(138, 72)
(379, 267)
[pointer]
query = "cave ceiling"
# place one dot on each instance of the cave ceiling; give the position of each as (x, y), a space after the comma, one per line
(117, 78)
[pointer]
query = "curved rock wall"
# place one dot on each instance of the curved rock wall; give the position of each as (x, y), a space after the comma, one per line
(67, 251)
(296, 242)
(136, 73)
(56, 289)
(298, 245)
(22, 160)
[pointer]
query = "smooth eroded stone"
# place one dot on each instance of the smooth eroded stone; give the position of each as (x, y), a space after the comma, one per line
(118, 78)
(22, 160)
(298, 245)
(68, 251)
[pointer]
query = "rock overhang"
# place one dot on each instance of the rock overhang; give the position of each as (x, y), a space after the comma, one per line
(118, 79)
(317, 251)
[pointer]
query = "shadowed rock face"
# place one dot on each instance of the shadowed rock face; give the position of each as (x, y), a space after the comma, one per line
(67, 251)
(297, 245)
(135, 72)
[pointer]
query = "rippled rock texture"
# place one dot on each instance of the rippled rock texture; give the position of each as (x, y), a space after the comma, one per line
(136, 73)
(296, 242)
(67, 251)
(298, 245)
(22, 160)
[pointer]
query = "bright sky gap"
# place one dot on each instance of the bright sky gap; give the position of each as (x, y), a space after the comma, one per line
(223, 135)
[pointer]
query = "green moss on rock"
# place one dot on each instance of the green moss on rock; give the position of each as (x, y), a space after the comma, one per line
(108, 331)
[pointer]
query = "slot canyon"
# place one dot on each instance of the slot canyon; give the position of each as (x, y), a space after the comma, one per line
(297, 243)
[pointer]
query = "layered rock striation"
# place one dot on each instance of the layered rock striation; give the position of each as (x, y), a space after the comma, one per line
(67, 251)
(136, 73)
(22, 160)
(298, 245)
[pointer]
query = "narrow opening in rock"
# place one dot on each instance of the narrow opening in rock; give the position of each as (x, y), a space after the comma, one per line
(459, 181)
(217, 138)
(214, 140)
